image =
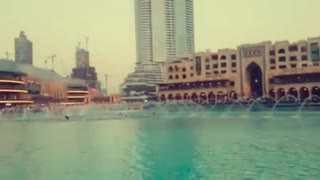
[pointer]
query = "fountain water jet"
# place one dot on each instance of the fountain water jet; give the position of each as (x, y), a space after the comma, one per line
(251, 105)
(304, 102)
(279, 101)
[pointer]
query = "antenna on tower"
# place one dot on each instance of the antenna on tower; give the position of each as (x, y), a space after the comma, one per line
(87, 42)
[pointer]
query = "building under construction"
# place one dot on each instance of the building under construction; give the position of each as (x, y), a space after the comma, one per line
(83, 70)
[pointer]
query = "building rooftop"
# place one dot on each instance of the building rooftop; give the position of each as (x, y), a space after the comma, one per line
(75, 82)
(10, 66)
(26, 69)
(43, 74)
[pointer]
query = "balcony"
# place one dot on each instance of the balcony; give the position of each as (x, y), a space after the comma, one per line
(16, 101)
(77, 92)
(194, 85)
(306, 70)
(295, 79)
(12, 81)
(13, 91)
(76, 97)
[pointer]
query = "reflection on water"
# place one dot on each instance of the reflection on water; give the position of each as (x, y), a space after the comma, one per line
(163, 147)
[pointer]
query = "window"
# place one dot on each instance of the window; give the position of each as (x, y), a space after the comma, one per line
(234, 71)
(198, 64)
(232, 83)
(282, 59)
(191, 75)
(282, 67)
(272, 67)
(223, 64)
(293, 65)
(223, 57)
(233, 57)
(315, 54)
(207, 67)
(272, 61)
(170, 69)
(293, 48)
(304, 58)
(272, 52)
(293, 58)
(214, 57)
(207, 60)
(303, 49)
(234, 64)
(184, 69)
(215, 66)
(304, 65)
(191, 67)
(199, 73)
(177, 76)
(170, 77)
(216, 72)
(184, 76)
(223, 72)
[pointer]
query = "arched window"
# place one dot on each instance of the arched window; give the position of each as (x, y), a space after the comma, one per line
(304, 93)
(281, 51)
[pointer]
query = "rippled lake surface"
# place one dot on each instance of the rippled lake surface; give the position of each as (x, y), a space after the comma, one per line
(181, 145)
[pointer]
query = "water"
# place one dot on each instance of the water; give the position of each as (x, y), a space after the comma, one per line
(148, 144)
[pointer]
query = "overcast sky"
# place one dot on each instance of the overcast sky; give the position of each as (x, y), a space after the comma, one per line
(56, 26)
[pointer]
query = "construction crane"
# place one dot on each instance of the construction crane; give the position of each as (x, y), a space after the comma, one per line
(7, 55)
(52, 60)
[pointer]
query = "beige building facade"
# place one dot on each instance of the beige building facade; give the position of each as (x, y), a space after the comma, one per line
(265, 69)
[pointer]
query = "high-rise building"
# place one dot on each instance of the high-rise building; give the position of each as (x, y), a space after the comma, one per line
(83, 70)
(82, 57)
(164, 32)
(23, 49)
(164, 29)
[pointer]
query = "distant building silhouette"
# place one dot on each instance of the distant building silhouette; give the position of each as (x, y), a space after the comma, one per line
(23, 49)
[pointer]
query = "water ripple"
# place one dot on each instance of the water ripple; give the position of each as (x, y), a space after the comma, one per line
(165, 145)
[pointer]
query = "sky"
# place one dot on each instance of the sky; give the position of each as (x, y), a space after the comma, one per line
(56, 27)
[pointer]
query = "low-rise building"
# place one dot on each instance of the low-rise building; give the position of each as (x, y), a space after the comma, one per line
(77, 91)
(13, 90)
(140, 85)
(25, 84)
(257, 70)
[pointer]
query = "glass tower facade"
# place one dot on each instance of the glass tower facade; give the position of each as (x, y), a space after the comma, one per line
(164, 29)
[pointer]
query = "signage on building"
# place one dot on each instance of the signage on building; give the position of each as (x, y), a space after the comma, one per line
(252, 52)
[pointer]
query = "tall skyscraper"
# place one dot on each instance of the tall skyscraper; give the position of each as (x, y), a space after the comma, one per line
(82, 57)
(23, 49)
(164, 29)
